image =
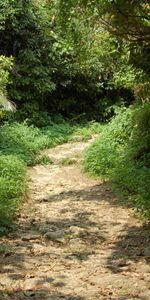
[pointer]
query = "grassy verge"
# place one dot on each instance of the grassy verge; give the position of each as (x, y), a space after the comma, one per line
(13, 187)
(122, 155)
(20, 146)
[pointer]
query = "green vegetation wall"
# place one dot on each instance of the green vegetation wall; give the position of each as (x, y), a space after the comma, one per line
(75, 68)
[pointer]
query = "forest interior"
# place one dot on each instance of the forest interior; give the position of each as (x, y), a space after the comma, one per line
(74, 150)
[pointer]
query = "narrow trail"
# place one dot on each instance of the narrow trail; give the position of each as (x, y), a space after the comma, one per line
(74, 240)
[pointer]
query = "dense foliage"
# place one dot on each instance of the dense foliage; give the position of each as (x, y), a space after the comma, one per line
(128, 23)
(122, 154)
(5, 67)
(64, 69)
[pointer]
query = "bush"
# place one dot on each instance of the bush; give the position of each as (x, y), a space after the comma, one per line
(85, 131)
(12, 186)
(101, 157)
(139, 146)
(134, 182)
(32, 115)
(58, 133)
(122, 154)
(23, 141)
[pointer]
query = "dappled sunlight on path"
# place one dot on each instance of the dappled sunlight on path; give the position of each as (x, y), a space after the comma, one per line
(74, 240)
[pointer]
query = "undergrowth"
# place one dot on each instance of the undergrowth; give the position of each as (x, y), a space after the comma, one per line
(20, 146)
(86, 131)
(22, 140)
(122, 154)
(13, 186)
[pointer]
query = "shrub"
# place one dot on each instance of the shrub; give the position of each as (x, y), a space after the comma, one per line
(139, 146)
(12, 186)
(58, 133)
(132, 172)
(122, 154)
(22, 140)
(85, 131)
(32, 115)
(100, 158)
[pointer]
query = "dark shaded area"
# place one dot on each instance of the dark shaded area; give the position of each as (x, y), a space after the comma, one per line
(37, 295)
(43, 295)
(52, 78)
(79, 255)
(97, 193)
(134, 241)
(90, 232)
(133, 246)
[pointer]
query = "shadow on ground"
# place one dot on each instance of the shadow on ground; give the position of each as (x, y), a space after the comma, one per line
(45, 295)
(132, 246)
(97, 192)
(37, 295)
(134, 241)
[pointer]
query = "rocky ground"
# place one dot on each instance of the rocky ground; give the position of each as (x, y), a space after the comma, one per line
(74, 240)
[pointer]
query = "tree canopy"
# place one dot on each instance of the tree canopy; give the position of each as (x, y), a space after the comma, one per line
(70, 55)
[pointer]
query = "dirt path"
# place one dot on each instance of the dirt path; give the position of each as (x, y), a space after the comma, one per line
(74, 241)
